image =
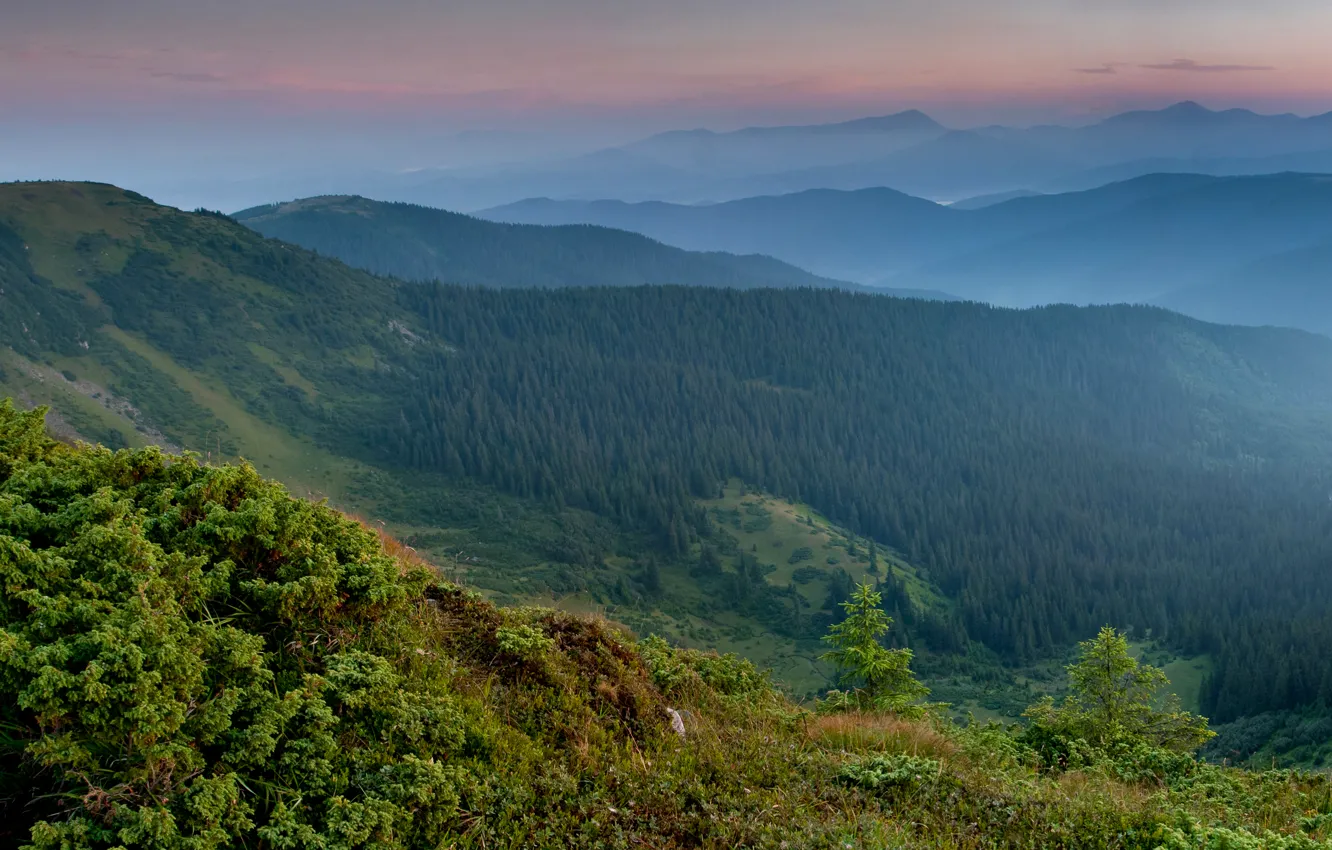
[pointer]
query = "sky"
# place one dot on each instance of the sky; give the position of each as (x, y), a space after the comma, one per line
(243, 87)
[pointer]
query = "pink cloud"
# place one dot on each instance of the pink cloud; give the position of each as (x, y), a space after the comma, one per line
(1191, 65)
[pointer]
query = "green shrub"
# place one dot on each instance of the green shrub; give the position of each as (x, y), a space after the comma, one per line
(804, 575)
(755, 524)
(676, 670)
(191, 658)
(994, 745)
(804, 553)
(524, 642)
(881, 773)
(1140, 761)
(1194, 836)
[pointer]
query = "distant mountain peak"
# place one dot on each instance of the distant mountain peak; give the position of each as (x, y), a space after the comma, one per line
(696, 133)
(285, 207)
(1192, 112)
(1187, 107)
(1184, 111)
(911, 119)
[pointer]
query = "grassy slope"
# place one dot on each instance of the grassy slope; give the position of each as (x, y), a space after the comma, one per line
(52, 219)
(1186, 673)
(774, 531)
(795, 663)
(78, 414)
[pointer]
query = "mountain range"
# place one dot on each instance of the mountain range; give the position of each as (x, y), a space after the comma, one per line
(909, 151)
(1236, 249)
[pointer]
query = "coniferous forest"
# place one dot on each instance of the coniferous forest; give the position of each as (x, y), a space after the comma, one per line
(1043, 466)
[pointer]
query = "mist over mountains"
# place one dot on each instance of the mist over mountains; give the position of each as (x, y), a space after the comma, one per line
(1222, 215)
(907, 151)
(1231, 249)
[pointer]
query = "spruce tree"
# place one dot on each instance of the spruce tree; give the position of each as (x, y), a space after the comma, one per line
(878, 679)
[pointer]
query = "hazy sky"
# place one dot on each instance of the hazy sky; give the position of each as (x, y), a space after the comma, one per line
(392, 79)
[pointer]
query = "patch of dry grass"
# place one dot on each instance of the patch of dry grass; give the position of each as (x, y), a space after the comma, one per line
(868, 732)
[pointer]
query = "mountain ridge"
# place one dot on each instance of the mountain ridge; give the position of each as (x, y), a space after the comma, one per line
(423, 243)
(1221, 223)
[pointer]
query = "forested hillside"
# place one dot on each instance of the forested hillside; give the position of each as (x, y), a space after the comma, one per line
(423, 244)
(1051, 469)
(1044, 472)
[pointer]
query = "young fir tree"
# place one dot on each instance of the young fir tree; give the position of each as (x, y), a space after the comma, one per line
(877, 678)
(652, 578)
(1113, 699)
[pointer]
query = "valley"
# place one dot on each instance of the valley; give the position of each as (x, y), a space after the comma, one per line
(245, 365)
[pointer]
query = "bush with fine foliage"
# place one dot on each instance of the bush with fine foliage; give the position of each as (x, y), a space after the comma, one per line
(188, 656)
